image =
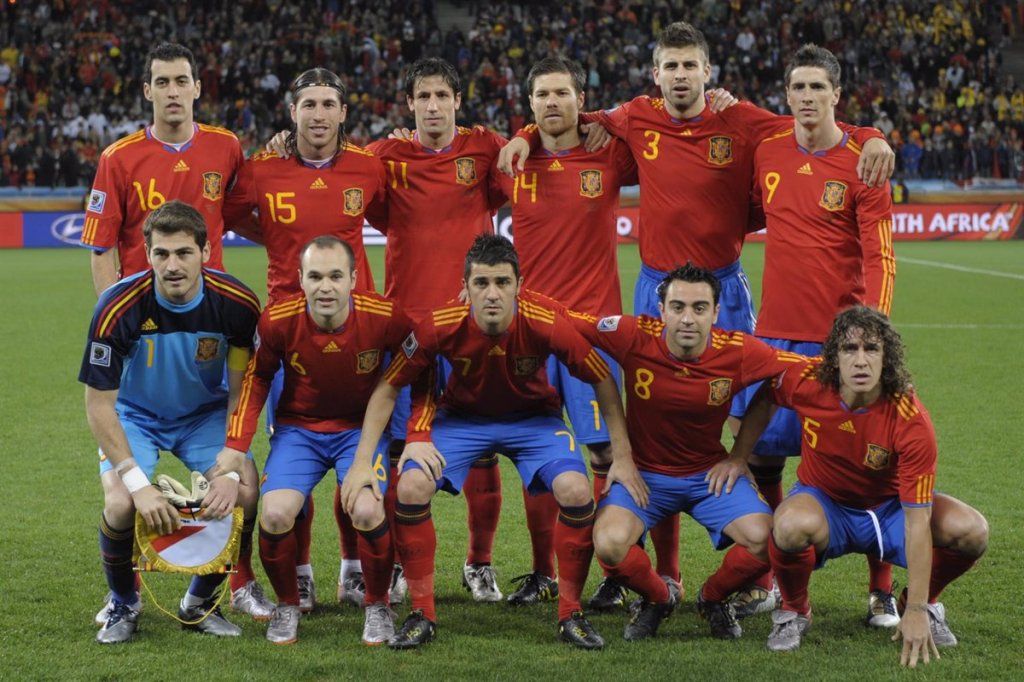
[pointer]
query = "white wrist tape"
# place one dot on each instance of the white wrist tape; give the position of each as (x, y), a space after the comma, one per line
(233, 475)
(134, 479)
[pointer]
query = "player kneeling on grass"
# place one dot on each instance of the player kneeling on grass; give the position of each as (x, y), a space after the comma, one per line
(681, 374)
(498, 398)
(154, 374)
(332, 343)
(865, 485)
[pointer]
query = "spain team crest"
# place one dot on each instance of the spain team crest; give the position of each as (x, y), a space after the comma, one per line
(213, 186)
(367, 361)
(719, 391)
(834, 196)
(206, 348)
(353, 201)
(720, 150)
(877, 457)
(526, 365)
(590, 184)
(465, 170)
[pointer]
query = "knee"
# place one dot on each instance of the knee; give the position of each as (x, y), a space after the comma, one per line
(572, 489)
(790, 530)
(966, 531)
(275, 519)
(118, 506)
(415, 487)
(756, 536)
(610, 545)
(368, 512)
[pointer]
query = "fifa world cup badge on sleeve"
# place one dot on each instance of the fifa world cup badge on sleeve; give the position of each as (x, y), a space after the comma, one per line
(608, 324)
(97, 200)
(99, 354)
(410, 345)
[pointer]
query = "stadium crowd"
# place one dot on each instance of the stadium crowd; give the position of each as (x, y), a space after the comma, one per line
(927, 74)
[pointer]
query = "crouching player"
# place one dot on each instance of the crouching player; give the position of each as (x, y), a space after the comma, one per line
(498, 399)
(680, 376)
(332, 343)
(154, 375)
(865, 485)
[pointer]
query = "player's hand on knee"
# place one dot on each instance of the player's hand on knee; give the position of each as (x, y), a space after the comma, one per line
(512, 157)
(721, 99)
(916, 634)
(598, 136)
(723, 476)
(222, 498)
(359, 476)
(279, 144)
(623, 471)
(426, 456)
(156, 511)
(877, 162)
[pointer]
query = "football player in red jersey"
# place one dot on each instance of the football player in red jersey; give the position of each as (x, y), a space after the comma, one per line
(680, 376)
(332, 341)
(829, 246)
(866, 485)
(689, 157)
(497, 397)
(173, 158)
(564, 204)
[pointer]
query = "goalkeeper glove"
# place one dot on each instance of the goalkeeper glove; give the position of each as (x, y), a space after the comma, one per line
(178, 495)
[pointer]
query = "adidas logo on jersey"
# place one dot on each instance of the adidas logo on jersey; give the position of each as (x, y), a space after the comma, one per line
(181, 166)
(496, 350)
(318, 184)
(331, 347)
(847, 426)
(686, 132)
(555, 166)
(805, 170)
(149, 325)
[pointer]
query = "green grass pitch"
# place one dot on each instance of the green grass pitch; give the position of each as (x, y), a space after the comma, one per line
(962, 327)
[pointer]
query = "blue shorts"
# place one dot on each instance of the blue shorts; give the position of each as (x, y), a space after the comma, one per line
(879, 532)
(541, 447)
(781, 438)
(403, 406)
(196, 440)
(672, 494)
(580, 402)
(299, 458)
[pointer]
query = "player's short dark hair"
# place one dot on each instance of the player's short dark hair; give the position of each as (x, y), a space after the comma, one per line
(329, 241)
(491, 249)
(173, 217)
(679, 35)
(690, 273)
(814, 55)
(169, 52)
(432, 66)
(557, 65)
(874, 326)
(310, 78)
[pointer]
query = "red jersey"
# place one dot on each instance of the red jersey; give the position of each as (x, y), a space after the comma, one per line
(675, 409)
(861, 458)
(495, 376)
(138, 173)
(564, 221)
(695, 177)
(829, 242)
(298, 202)
(437, 204)
(328, 376)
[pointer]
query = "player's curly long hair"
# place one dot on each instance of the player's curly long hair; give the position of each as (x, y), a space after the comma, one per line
(310, 78)
(874, 326)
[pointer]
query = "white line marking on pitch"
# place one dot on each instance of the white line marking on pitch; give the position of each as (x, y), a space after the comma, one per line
(960, 268)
